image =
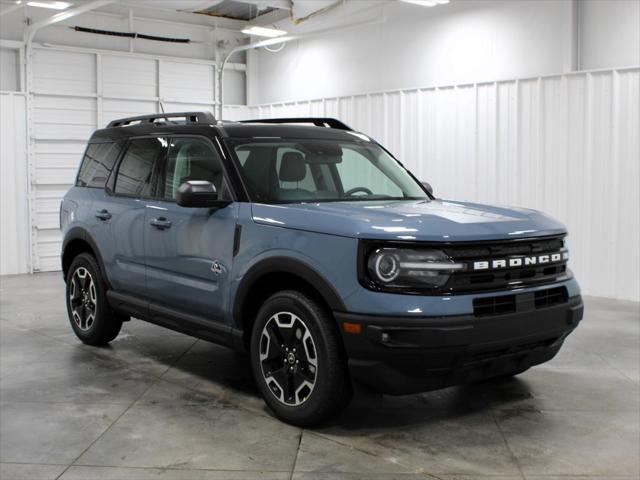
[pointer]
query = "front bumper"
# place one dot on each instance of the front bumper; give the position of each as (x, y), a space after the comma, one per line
(401, 355)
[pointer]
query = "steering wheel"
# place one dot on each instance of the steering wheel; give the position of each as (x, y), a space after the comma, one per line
(351, 191)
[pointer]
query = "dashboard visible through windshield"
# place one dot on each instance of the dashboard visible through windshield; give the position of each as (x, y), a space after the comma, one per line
(291, 170)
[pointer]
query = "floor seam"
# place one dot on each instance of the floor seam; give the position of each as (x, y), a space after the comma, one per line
(410, 469)
(295, 460)
(613, 367)
(124, 412)
(506, 443)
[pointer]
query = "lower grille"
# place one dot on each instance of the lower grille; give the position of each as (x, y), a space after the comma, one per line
(522, 302)
(550, 297)
(494, 305)
(500, 352)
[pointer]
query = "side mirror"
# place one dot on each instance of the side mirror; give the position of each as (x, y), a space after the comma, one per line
(428, 187)
(198, 194)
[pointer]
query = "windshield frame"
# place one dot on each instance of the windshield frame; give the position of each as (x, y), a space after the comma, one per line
(231, 143)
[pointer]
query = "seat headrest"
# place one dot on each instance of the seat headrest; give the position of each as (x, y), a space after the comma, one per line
(292, 167)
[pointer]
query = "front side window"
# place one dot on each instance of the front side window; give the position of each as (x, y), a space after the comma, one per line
(290, 170)
(97, 164)
(192, 158)
(135, 174)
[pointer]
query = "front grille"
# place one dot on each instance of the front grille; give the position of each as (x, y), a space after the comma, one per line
(507, 278)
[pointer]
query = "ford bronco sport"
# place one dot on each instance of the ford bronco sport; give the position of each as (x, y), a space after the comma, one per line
(309, 246)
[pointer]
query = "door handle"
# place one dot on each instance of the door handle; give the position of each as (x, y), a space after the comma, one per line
(103, 214)
(160, 223)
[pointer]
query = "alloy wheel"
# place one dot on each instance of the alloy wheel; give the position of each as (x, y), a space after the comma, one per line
(83, 298)
(288, 358)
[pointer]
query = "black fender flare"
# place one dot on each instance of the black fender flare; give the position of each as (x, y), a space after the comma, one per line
(79, 233)
(288, 265)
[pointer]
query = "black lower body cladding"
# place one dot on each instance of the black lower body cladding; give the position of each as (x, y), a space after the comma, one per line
(405, 355)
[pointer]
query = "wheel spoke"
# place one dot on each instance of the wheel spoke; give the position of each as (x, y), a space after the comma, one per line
(276, 338)
(304, 371)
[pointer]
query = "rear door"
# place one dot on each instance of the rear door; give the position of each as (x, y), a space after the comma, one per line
(121, 215)
(189, 251)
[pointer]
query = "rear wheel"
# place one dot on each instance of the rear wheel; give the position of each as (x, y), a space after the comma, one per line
(90, 316)
(298, 361)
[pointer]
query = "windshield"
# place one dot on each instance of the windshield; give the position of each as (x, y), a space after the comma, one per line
(288, 170)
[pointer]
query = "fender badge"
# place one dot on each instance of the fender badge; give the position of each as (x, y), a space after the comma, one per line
(216, 267)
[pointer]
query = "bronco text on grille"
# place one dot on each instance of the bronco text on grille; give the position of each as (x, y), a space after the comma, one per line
(504, 265)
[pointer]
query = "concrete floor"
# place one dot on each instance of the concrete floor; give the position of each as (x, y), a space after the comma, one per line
(160, 405)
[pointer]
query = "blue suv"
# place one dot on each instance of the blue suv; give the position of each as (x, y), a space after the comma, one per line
(309, 246)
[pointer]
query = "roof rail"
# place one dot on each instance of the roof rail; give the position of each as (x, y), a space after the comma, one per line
(189, 117)
(317, 121)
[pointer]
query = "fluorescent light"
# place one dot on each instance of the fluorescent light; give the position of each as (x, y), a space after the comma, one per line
(427, 3)
(52, 5)
(263, 31)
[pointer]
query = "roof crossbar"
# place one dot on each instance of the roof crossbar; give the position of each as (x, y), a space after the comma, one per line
(189, 117)
(317, 121)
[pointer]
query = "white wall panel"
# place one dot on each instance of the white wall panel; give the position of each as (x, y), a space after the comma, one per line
(129, 76)
(236, 112)
(10, 71)
(188, 81)
(14, 219)
(113, 109)
(567, 145)
(64, 72)
(75, 92)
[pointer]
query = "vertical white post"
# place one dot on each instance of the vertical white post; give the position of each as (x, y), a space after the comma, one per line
(131, 29)
(160, 105)
(33, 261)
(99, 119)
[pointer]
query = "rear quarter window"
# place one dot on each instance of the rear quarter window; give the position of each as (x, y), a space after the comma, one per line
(97, 164)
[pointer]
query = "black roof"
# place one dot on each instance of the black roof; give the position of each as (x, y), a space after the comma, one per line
(202, 123)
(253, 130)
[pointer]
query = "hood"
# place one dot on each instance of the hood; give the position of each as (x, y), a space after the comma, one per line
(435, 220)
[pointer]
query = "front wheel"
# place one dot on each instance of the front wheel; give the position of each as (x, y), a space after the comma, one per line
(298, 360)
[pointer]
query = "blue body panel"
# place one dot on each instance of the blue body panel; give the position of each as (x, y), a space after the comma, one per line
(429, 221)
(174, 266)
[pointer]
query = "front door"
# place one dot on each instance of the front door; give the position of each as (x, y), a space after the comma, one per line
(189, 251)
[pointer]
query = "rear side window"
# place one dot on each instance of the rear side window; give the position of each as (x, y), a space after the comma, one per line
(97, 164)
(137, 166)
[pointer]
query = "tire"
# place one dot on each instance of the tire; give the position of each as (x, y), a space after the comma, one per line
(91, 318)
(306, 382)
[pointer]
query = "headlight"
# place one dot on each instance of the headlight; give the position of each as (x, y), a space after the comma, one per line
(397, 268)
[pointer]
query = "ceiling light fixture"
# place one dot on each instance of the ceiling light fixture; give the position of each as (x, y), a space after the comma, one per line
(263, 31)
(427, 3)
(51, 5)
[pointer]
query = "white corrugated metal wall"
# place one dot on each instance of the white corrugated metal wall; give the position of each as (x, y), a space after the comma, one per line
(14, 233)
(567, 145)
(75, 91)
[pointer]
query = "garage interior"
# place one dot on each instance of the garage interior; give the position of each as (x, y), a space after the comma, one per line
(523, 102)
